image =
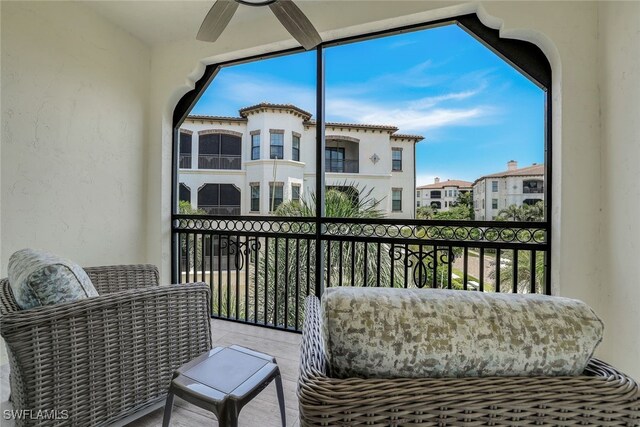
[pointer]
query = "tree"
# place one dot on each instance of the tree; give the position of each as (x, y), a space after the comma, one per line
(511, 213)
(425, 212)
(523, 281)
(340, 255)
(523, 213)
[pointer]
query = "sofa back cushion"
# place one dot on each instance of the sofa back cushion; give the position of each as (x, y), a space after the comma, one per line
(395, 333)
(39, 278)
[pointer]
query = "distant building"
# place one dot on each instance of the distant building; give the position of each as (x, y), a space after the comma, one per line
(252, 163)
(515, 186)
(441, 194)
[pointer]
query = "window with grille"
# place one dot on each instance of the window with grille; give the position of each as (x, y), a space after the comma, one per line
(255, 197)
(295, 193)
(277, 146)
(295, 148)
(275, 195)
(396, 199)
(494, 186)
(255, 146)
(396, 159)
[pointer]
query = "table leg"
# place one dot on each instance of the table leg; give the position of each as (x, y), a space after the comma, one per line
(168, 408)
(281, 398)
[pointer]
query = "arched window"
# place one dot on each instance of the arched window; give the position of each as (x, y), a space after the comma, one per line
(219, 199)
(219, 151)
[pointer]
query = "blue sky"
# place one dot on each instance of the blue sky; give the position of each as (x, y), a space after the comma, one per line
(475, 111)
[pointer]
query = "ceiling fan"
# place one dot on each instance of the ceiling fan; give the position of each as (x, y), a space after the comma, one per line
(289, 15)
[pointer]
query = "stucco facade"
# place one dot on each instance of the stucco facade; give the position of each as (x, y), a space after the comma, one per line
(441, 195)
(515, 186)
(358, 156)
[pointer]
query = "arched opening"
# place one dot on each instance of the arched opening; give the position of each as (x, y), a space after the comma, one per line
(362, 105)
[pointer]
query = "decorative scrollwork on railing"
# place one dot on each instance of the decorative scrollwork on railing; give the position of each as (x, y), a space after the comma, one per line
(498, 233)
(239, 249)
(422, 262)
(268, 226)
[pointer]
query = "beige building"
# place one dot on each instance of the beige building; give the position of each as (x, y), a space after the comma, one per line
(252, 163)
(515, 186)
(441, 194)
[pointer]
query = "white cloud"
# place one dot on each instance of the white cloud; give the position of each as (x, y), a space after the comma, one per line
(414, 115)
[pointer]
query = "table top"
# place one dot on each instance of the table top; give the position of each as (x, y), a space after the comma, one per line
(225, 372)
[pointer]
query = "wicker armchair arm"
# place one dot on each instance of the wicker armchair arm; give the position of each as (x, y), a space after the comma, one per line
(116, 278)
(70, 356)
(312, 355)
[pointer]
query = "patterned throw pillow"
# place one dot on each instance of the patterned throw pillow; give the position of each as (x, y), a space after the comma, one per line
(416, 333)
(39, 278)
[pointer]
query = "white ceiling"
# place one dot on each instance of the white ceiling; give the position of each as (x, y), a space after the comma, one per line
(156, 22)
(163, 21)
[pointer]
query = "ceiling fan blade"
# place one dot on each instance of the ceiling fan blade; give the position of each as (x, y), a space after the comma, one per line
(296, 22)
(216, 20)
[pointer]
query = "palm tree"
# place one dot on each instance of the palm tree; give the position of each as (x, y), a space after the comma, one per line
(340, 256)
(511, 213)
(523, 272)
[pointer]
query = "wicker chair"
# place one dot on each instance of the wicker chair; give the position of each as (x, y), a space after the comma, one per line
(601, 397)
(106, 358)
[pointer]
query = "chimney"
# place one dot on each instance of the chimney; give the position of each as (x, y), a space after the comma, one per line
(512, 165)
(437, 180)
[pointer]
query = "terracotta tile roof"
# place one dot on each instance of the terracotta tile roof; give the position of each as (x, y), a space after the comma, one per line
(306, 119)
(448, 183)
(306, 115)
(407, 136)
(533, 170)
(353, 125)
(218, 118)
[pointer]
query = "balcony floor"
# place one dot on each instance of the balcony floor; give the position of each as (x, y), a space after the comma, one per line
(262, 411)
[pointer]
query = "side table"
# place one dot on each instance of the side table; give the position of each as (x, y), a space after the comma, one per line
(223, 381)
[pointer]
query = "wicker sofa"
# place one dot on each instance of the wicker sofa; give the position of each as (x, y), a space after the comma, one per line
(602, 396)
(103, 359)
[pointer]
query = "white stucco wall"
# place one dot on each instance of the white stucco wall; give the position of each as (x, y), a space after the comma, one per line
(74, 104)
(619, 66)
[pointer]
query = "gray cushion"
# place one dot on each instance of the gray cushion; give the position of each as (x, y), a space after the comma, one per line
(392, 333)
(39, 278)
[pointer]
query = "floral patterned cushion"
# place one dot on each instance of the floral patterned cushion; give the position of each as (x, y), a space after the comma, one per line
(39, 278)
(395, 333)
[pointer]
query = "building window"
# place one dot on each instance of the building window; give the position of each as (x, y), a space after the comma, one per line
(418, 203)
(277, 145)
(494, 186)
(417, 194)
(275, 195)
(185, 151)
(255, 197)
(295, 193)
(396, 199)
(295, 148)
(494, 203)
(396, 159)
(219, 199)
(219, 151)
(255, 146)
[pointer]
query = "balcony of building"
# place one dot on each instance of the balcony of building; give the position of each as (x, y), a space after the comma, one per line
(341, 156)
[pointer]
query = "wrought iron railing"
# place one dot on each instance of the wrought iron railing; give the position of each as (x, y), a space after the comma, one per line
(342, 166)
(260, 269)
(532, 190)
(222, 161)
